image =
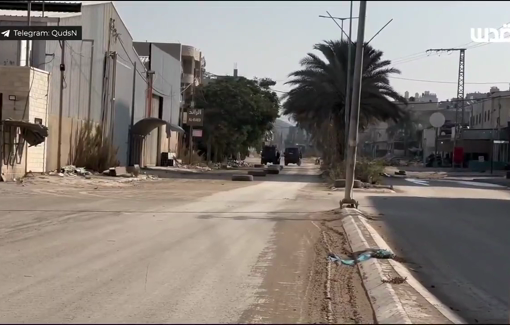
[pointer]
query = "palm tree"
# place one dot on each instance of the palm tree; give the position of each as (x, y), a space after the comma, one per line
(316, 101)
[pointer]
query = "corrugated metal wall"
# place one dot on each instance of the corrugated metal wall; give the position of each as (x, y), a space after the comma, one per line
(167, 82)
(85, 65)
(95, 23)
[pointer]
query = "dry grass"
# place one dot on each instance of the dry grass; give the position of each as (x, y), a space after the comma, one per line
(93, 151)
(184, 156)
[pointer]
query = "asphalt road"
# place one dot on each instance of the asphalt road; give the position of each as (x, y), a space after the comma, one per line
(82, 257)
(456, 236)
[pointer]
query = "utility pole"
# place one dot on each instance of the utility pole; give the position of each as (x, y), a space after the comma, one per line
(355, 107)
(342, 19)
(460, 93)
(29, 16)
(349, 72)
(149, 76)
(348, 92)
(460, 82)
(192, 105)
(61, 103)
(131, 138)
(112, 110)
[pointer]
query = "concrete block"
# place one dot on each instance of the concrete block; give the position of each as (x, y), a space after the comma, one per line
(135, 170)
(117, 171)
(340, 183)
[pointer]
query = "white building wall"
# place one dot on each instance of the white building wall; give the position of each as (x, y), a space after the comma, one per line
(80, 57)
(487, 113)
(38, 109)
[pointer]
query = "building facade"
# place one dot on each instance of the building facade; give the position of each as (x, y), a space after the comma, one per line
(104, 82)
(190, 75)
(23, 108)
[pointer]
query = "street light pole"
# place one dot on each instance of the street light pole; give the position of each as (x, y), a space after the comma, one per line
(348, 92)
(342, 19)
(349, 70)
(342, 35)
(355, 106)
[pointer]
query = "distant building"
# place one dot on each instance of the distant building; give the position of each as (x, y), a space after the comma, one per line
(428, 97)
(211, 77)
(425, 97)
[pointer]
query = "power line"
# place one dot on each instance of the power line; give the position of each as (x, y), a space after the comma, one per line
(452, 82)
(476, 100)
(160, 92)
(422, 55)
(460, 84)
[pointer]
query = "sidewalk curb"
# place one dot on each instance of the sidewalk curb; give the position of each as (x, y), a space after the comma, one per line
(406, 303)
(387, 307)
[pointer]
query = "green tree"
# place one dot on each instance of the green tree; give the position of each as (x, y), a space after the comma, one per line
(238, 113)
(317, 98)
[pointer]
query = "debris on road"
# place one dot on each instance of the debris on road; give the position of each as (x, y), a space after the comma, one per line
(363, 256)
(394, 280)
(71, 170)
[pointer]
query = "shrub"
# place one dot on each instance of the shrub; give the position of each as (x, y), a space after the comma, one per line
(366, 171)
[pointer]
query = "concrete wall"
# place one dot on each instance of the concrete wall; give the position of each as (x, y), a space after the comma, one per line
(487, 113)
(13, 81)
(30, 86)
(38, 112)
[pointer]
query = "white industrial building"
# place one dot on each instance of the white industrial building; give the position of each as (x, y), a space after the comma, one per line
(104, 80)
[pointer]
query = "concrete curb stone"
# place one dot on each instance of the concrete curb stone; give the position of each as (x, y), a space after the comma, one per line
(404, 303)
(386, 305)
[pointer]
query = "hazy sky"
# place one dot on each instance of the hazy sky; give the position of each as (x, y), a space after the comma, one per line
(268, 38)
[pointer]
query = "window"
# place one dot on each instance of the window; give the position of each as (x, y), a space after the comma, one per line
(38, 120)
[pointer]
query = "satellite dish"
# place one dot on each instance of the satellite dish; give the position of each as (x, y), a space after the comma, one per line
(437, 120)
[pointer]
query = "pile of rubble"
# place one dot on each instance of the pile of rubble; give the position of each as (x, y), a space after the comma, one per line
(396, 161)
(200, 166)
(71, 171)
(203, 167)
(230, 164)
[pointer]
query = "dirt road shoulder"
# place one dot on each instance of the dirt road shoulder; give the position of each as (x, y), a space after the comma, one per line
(301, 285)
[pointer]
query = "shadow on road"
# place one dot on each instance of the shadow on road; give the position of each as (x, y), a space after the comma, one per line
(288, 174)
(499, 184)
(461, 245)
(273, 216)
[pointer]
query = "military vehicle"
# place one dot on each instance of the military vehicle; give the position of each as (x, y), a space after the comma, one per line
(270, 154)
